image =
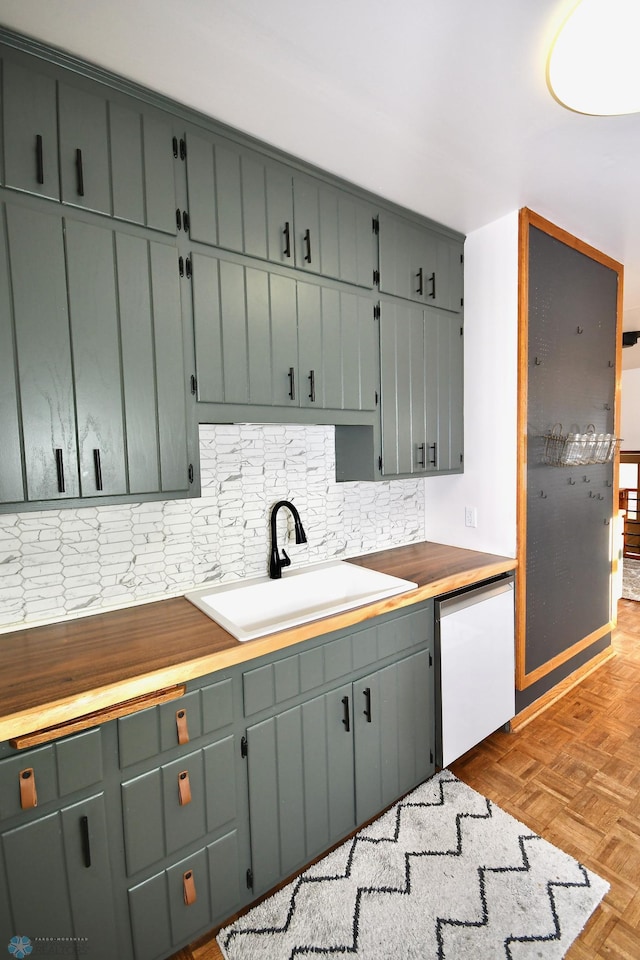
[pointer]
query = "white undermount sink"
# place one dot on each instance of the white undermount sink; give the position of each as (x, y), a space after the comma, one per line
(248, 609)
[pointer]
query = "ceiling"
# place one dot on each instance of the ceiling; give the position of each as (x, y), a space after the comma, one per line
(439, 105)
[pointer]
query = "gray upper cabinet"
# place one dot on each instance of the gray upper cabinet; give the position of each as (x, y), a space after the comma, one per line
(420, 264)
(266, 339)
(97, 348)
(69, 139)
(30, 130)
(246, 203)
(421, 358)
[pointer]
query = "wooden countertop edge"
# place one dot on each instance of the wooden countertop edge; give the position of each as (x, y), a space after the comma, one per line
(101, 698)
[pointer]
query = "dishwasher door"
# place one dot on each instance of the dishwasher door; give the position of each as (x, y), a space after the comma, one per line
(475, 655)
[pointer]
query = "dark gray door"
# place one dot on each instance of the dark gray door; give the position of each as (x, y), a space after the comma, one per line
(39, 290)
(30, 130)
(419, 264)
(444, 378)
(11, 482)
(84, 149)
(394, 725)
(298, 808)
(86, 847)
(403, 389)
(96, 357)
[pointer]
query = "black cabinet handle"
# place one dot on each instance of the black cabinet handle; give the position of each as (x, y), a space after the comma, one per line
(419, 279)
(86, 841)
(434, 460)
(367, 704)
(98, 469)
(60, 469)
(186, 221)
(175, 147)
(312, 386)
(292, 383)
(178, 220)
(345, 718)
(187, 268)
(39, 161)
(181, 266)
(79, 172)
(307, 243)
(287, 240)
(432, 281)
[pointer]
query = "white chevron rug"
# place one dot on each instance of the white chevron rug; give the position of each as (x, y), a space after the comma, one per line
(443, 875)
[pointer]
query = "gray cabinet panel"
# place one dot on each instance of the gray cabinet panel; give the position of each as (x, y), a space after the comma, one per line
(224, 876)
(220, 782)
(190, 719)
(170, 369)
(138, 372)
(298, 809)
(311, 367)
(143, 821)
(149, 910)
(89, 874)
(35, 862)
(138, 736)
(159, 186)
(229, 198)
(44, 355)
(42, 762)
(96, 355)
(127, 174)
(280, 227)
(184, 822)
(202, 190)
(30, 130)
(11, 482)
(217, 705)
(84, 149)
(79, 761)
(254, 206)
(233, 317)
(284, 354)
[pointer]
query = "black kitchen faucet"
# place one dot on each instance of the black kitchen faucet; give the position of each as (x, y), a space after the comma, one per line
(276, 563)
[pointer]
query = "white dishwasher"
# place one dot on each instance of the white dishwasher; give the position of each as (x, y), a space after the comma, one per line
(475, 657)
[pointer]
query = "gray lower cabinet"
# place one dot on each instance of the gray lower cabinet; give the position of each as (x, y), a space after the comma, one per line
(370, 739)
(247, 203)
(266, 339)
(94, 362)
(420, 264)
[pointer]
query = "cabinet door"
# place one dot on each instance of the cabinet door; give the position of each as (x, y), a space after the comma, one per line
(245, 332)
(38, 284)
(86, 847)
(336, 349)
(96, 356)
(333, 232)
(298, 809)
(444, 366)
(419, 264)
(403, 389)
(142, 163)
(394, 725)
(84, 149)
(11, 482)
(30, 131)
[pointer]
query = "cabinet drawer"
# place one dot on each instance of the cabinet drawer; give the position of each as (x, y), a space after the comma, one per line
(156, 730)
(171, 806)
(34, 777)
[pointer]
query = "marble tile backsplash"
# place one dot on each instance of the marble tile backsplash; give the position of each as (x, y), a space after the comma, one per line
(59, 564)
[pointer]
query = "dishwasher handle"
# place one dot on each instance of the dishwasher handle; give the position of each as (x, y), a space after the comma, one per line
(479, 594)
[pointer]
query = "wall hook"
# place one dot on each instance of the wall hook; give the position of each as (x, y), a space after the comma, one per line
(600, 497)
(592, 494)
(543, 495)
(586, 479)
(609, 483)
(572, 482)
(579, 329)
(607, 406)
(537, 362)
(611, 363)
(607, 522)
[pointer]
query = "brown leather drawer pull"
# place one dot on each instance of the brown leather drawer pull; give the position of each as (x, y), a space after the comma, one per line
(184, 787)
(181, 725)
(28, 792)
(189, 888)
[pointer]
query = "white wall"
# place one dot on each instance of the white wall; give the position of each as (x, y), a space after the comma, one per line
(490, 408)
(59, 564)
(630, 409)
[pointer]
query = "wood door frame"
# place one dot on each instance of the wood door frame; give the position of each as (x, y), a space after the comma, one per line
(527, 219)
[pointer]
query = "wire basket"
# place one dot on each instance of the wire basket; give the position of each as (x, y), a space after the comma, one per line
(577, 449)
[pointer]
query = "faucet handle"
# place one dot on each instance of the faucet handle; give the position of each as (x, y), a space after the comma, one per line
(286, 562)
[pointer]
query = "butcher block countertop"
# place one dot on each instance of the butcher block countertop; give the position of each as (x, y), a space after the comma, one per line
(110, 664)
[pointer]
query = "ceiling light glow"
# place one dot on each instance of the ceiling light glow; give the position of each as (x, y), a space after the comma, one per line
(593, 65)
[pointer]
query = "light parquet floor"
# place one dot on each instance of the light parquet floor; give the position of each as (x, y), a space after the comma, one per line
(573, 776)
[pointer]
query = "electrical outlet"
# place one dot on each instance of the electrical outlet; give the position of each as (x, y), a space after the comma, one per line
(470, 517)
